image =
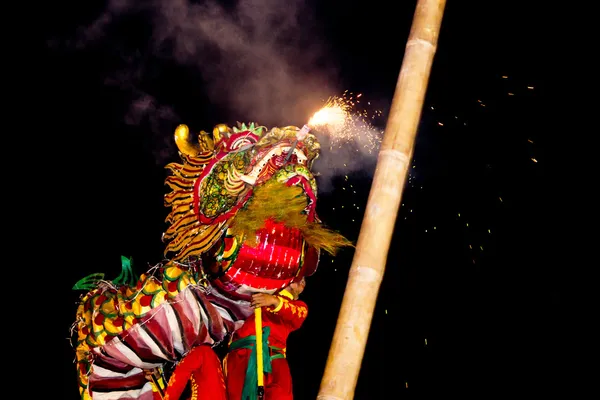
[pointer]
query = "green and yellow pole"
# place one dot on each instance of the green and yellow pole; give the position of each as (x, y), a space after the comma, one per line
(259, 352)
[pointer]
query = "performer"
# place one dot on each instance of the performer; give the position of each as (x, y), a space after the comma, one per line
(201, 368)
(283, 314)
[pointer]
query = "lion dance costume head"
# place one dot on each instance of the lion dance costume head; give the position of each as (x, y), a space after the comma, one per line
(244, 201)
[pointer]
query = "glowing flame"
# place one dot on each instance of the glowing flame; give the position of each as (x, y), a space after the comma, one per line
(334, 117)
(345, 124)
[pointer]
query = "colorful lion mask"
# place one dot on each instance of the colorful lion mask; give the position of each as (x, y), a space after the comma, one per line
(244, 201)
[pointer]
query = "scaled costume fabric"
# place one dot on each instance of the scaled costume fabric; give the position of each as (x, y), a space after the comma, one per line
(278, 323)
(243, 220)
(126, 332)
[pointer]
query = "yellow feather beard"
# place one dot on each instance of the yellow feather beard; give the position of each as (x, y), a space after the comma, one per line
(284, 204)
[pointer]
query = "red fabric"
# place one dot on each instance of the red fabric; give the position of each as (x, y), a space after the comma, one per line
(269, 265)
(201, 368)
(156, 396)
(278, 384)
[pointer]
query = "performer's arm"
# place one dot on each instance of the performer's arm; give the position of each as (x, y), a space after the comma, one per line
(291, 312)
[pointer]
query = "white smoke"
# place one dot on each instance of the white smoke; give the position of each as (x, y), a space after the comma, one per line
(261, 58)
(266, 60)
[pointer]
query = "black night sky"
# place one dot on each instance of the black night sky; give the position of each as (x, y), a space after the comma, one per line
(472, 304)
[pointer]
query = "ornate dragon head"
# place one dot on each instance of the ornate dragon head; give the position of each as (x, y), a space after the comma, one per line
(244, 200)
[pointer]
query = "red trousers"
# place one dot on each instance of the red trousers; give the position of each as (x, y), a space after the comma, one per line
(278, 384)
(201, 367)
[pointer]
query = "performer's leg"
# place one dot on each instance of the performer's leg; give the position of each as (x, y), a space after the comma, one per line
(202, 368)
(278, 384)
(235, 365)
(208, 382)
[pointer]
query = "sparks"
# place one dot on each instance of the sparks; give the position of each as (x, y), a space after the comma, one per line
(345, 124)
(333, 117)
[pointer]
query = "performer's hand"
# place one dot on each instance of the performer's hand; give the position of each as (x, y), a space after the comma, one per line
(264, 300)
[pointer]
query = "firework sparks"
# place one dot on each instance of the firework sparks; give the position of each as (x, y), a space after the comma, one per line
(342, 119)
(333, 116)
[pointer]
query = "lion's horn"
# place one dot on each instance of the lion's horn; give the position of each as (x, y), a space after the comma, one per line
(221, 131)
(185, 143)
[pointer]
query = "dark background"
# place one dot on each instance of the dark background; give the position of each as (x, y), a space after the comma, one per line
(473, 302)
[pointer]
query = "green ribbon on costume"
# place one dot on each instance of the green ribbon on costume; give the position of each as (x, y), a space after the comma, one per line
(89, 282)
(126, 277)
(250, 391)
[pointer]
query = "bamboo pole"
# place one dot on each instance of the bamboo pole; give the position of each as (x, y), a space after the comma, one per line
(368, 266)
